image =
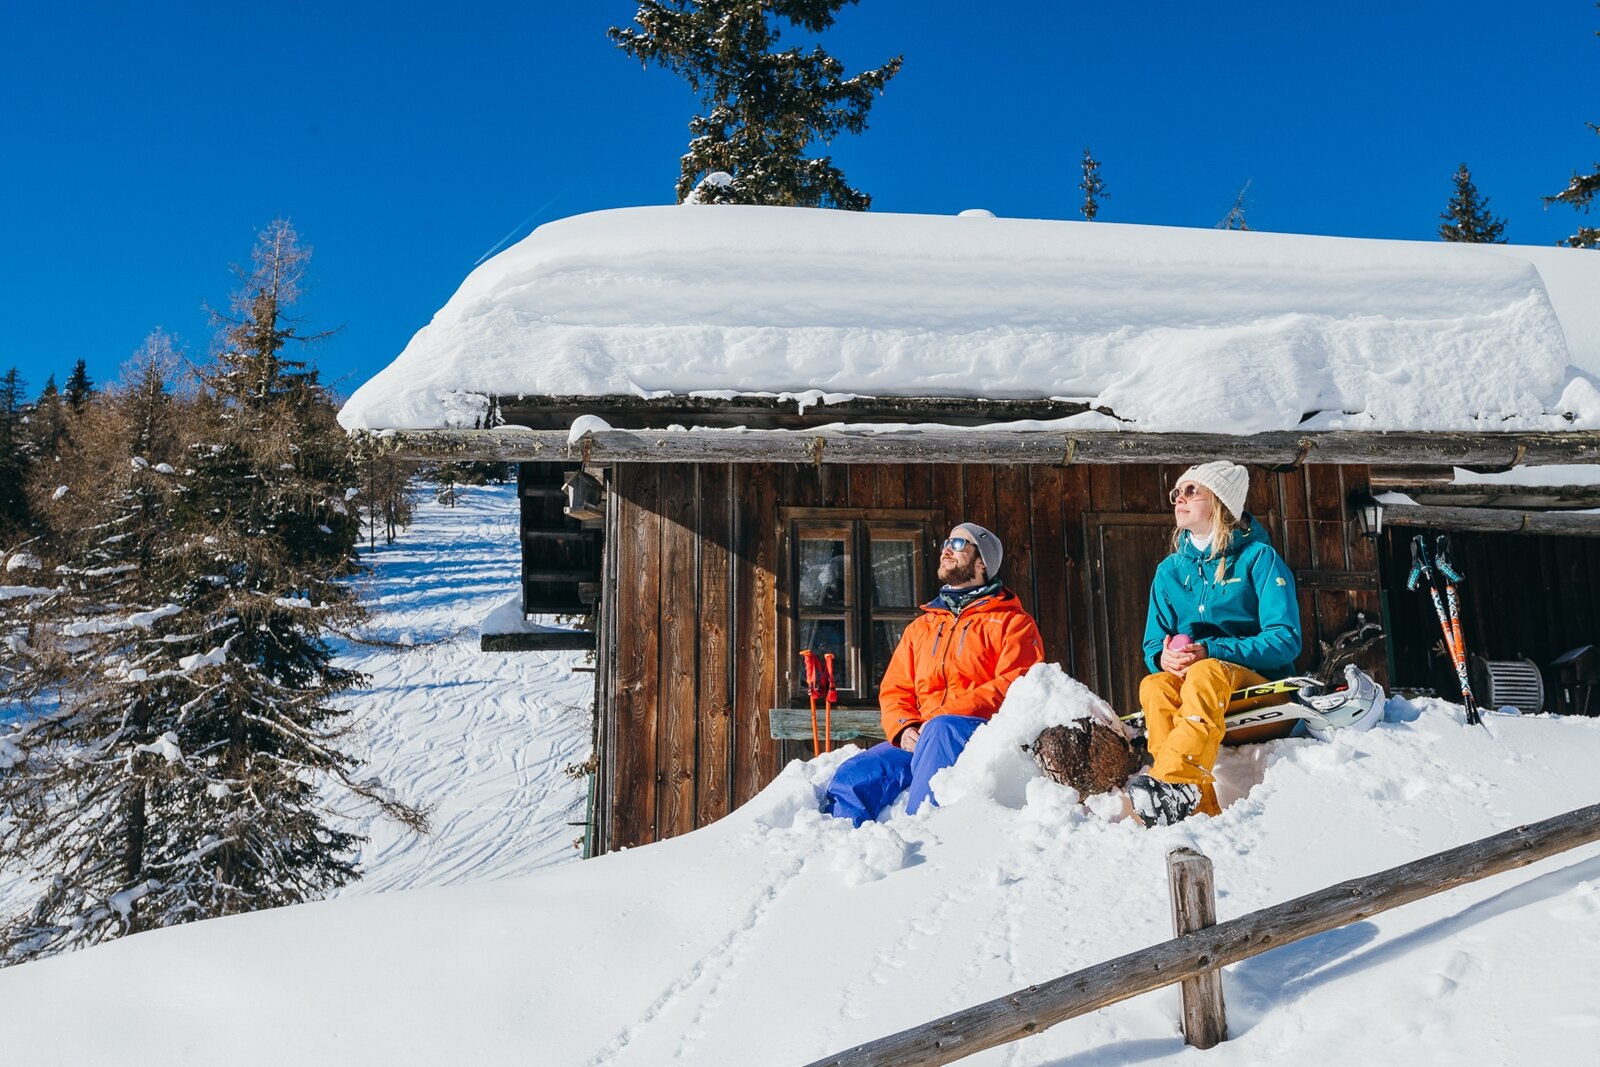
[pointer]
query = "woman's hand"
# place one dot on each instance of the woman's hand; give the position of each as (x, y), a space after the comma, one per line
(908, 738)
(1180, 661)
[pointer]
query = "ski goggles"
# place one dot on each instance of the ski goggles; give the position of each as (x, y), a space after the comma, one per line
(957, 544)
(1186, 491)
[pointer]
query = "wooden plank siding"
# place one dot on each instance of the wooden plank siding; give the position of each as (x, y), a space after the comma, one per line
(695, 561)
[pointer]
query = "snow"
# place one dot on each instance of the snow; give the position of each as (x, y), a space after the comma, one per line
(779, 935)
(1162, 325)
(22, 561)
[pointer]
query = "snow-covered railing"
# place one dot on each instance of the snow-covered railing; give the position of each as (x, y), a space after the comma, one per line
(1197, 956)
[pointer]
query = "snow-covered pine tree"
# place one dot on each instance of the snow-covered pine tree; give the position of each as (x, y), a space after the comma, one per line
(1093, 186)
(762, 109)
(181, 761)
(1467, 217)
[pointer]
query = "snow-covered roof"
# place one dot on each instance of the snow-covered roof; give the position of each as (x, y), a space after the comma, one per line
(1171, 329)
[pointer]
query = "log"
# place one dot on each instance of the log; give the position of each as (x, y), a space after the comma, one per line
(1194, 907)
(1493, 520)
(1028, 1011)
(992, 445)
(538, 641)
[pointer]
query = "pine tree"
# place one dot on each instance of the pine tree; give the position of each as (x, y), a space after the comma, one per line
(762, 109)
(1093, 186)
(1235, 218)
(185, 729)
(48, 425)
(14, 462)
(1467, 217)
(79, 386)
(1579, 195)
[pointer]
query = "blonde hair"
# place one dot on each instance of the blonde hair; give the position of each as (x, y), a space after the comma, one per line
(1224, 524)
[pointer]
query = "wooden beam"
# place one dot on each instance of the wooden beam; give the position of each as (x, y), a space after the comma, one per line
(538, 641)
(993, 445)
(774, 412)
(1485, 494)
(1493, 520)
(1030, 1010)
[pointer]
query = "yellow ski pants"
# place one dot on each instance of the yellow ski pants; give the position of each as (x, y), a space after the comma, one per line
(1183, 722)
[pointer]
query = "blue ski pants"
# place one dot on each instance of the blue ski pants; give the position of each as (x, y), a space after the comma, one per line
(866, 783)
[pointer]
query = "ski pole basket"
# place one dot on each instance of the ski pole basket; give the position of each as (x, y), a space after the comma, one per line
(1513, 683)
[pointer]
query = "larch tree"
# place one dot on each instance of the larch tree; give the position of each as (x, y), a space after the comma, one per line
(762, 109)
(1092, 185)
(1467, 217)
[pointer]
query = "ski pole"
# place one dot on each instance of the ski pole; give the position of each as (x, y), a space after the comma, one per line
(829, 700)
(810, 658)
(1441, 559)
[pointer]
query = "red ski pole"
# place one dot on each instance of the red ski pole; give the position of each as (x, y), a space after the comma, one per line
(810, 658)
(828, 703)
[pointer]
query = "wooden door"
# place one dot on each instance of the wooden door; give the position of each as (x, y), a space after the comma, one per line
(1123, 549)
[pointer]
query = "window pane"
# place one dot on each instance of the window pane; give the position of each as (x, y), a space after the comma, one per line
(894, 574)
(823, 636)
(885, 639)
(823, 574)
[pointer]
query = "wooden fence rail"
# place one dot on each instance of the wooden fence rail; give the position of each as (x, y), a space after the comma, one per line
(1028, 1011)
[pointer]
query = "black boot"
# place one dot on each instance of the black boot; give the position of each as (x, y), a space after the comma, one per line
(1159, 803)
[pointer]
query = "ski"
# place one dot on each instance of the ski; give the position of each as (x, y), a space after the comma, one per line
(1295, 707)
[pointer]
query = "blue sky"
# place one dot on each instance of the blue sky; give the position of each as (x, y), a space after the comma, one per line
(143, 146)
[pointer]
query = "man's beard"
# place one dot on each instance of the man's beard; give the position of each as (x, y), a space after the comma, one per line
(957, 573)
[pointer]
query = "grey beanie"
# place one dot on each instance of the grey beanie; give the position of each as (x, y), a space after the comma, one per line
(989, 547)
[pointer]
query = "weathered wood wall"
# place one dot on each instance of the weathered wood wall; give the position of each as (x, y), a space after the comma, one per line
(689, 650)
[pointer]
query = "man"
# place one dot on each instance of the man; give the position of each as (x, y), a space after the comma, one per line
(948, 676)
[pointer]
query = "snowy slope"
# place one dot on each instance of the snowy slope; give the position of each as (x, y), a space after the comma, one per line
(480, 739)
(777, 936)
(1141, 319)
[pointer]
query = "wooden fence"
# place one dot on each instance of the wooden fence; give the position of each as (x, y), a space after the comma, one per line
(1196, 955)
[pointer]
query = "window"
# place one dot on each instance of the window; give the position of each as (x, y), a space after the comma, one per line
(856, 579)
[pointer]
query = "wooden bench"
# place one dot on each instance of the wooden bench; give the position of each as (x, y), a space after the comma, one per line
(794, 724)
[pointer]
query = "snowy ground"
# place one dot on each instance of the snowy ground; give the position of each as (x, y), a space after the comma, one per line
(777, 936)
(481, 739)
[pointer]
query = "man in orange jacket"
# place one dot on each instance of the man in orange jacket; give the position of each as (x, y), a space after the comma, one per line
(948, 677)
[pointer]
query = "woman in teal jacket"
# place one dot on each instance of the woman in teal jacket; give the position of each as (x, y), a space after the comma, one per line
(1223, 615)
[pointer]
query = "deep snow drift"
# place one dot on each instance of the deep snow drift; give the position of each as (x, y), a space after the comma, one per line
(777, 935)
(1387, 335)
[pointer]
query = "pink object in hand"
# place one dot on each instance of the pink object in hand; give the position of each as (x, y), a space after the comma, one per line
(1177, 642)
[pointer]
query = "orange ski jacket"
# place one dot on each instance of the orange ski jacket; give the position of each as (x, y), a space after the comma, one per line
(949, 664)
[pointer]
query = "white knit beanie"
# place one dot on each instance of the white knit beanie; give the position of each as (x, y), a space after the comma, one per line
(989, 548)
(1229, 481)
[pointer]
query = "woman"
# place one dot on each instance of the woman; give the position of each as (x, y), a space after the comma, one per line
(1223, 615)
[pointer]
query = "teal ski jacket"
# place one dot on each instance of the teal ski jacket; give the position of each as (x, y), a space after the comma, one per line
(1250, 616)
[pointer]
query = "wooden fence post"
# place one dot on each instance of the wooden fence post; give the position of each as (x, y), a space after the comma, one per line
(1194, 907)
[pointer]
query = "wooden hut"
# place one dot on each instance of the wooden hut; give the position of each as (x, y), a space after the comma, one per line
(743, 432)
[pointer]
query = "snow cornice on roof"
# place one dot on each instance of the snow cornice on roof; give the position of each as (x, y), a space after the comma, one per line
(1172, 330)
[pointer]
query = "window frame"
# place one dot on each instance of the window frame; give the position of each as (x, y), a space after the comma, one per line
(921, 527)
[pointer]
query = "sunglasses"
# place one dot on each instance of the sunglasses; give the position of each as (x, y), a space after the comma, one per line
(1186, 491)
(957, 544)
